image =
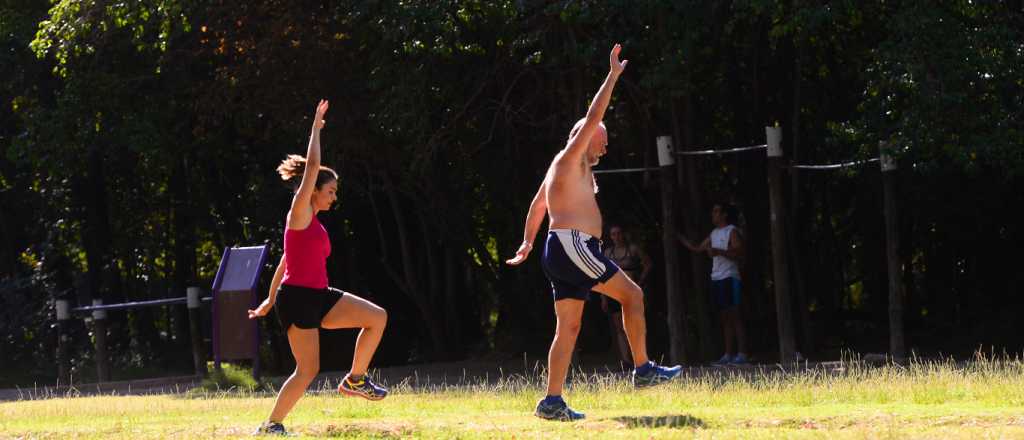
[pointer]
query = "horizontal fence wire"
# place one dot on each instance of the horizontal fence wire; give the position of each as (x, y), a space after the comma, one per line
(626, 170)
(742, 149)
(136, 304)
(834, 166)
(710, 152)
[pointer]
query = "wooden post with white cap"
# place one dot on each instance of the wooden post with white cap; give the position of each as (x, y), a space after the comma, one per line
(673, 293)
(780, 264)
(194, 324)
(897, 344)
(63, 310)
(99, 329)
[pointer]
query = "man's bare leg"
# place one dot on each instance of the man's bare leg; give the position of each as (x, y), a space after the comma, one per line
(569, 313)
(627, 293)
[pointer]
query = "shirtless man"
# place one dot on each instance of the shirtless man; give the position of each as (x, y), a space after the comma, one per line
(572, 257)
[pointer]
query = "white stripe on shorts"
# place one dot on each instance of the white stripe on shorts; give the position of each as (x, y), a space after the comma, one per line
(581, 247)
(573, 244)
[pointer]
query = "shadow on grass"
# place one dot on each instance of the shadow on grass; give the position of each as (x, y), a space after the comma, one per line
(672, 421)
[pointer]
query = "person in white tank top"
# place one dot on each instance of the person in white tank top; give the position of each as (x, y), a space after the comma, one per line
(725, 247)
(722, 266)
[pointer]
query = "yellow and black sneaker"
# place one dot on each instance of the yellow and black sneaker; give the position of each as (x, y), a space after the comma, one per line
(362, 387)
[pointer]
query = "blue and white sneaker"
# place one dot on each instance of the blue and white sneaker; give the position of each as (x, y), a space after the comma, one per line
(362, 387)
(654, 374)
(740, 359)
(557, 410)
(271, 428)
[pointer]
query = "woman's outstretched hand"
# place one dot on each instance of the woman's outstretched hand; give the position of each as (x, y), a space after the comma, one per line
(321, 110)
(262, 310)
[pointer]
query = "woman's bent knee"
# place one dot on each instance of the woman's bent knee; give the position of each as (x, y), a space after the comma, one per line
(307, 373)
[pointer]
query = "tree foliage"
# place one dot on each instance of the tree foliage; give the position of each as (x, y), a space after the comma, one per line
(140, 138)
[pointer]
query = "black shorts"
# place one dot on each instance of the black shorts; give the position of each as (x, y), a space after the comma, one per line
(303, 306)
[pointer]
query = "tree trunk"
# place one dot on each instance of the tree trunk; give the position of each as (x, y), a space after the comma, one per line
(831, 267)
(897, 347)
(102, 281)
(433, 292)
(695, 205)
(96, 234)
(757, 306)
(795, 230)
(452, 318)
(408, 282)
(184, 240)
(10, 230)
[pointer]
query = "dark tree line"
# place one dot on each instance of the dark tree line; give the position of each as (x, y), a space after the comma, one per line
(140, 139)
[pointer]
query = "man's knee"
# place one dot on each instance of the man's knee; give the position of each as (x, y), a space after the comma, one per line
(381, 318)
(633, 297)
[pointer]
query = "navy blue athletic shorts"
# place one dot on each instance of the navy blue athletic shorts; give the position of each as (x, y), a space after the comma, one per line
(573, 262)
(725, 293)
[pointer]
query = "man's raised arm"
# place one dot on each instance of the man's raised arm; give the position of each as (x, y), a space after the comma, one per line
(595, 114)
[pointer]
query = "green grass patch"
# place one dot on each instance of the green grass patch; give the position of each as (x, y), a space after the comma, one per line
(228, 379)
(982, 399)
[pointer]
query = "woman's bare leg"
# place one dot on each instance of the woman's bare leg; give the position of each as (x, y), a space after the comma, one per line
(354, 312)
(305, 345)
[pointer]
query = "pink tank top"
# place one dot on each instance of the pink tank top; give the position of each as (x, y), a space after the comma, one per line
(305, 256)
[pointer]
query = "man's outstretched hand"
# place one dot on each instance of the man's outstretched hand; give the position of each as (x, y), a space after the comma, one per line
(613, 59)
(521, 254)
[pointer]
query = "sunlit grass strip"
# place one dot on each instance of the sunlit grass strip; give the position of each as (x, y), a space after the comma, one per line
(943, 399)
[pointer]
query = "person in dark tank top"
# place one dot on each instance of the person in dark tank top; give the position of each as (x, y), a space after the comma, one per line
(632, 259)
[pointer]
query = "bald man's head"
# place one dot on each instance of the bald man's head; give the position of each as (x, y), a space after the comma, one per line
(598, 142)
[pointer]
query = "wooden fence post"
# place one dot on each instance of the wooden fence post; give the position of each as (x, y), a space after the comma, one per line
(99, 329)
(783, 304)
(673, 295)
(62, 307)
(195, 330)
(897, 344)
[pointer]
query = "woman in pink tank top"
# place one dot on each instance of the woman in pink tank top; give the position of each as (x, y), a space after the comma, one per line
(300, 290)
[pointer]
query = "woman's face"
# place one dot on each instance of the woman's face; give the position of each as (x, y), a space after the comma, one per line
(325, 196)
(617, 236)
